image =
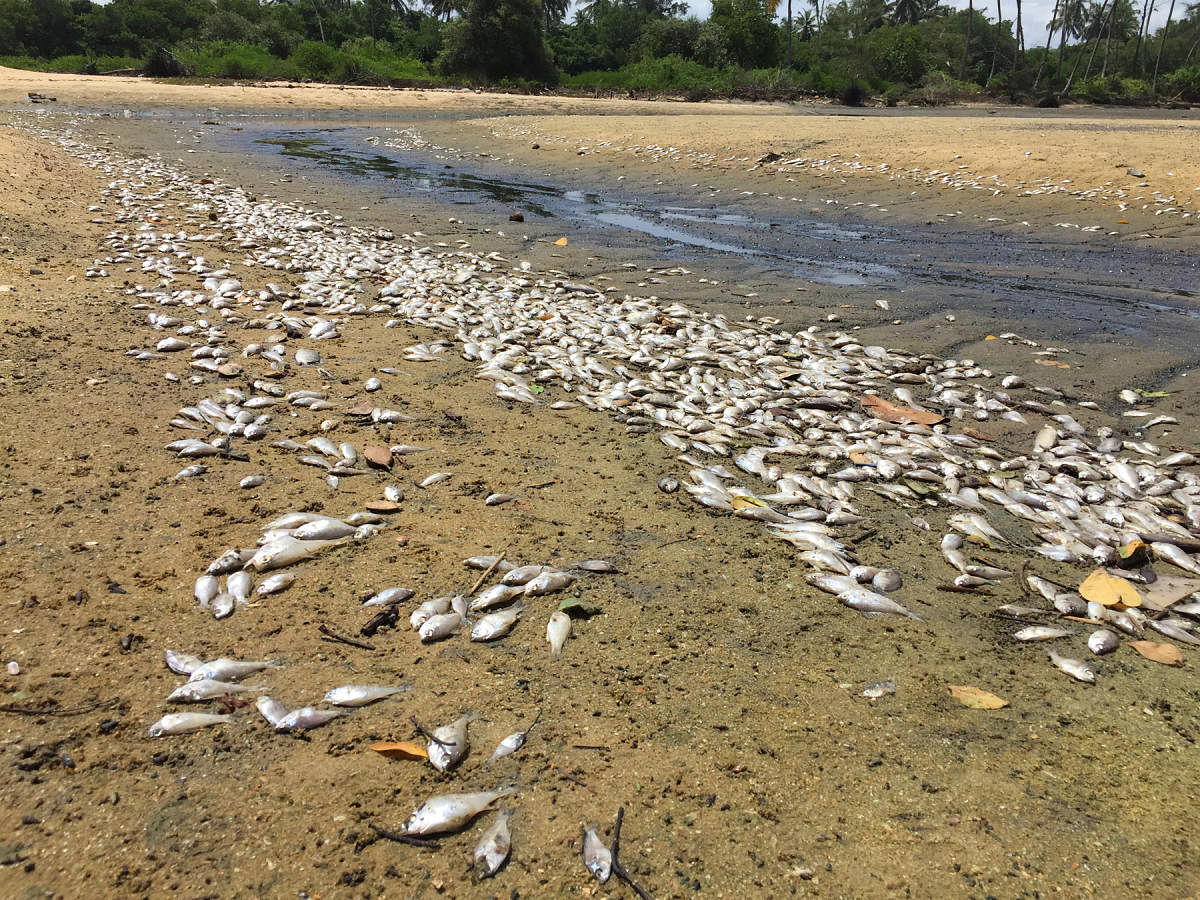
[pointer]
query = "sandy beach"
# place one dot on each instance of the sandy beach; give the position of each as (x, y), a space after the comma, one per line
(714, 695)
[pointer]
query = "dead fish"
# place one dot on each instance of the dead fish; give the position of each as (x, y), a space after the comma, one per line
(272, 710)
(496, 595)
(1080, 671)
(449, 744)
(286, 550)
(239, 584)
(596, 856)
(493, 847)
(877, 689)
(229, 561)
(524, 574)
(1021, 612)
(225, 669)
(503, 566)
(1103, 641)
(428, 610)
(273, 584)
(208, 689)
(307, 717)
(207, 587)
(440, 626)
(252, 481)
(1173, 630)
(497, 499)
(450, 812)
(513, 742)
(181, 723)
(223, 605)
(323, 529)
(1175, 556)
(871, 603)
(435, 478)
(356, 695)
(497, 624)
(1041, 633)
(389, 597)
(558, 629)
(887, 580)
(548, 583)
(597, 566)
(181, 663)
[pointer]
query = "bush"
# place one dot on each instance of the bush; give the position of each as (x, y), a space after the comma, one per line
(938, 88)
(671, 74)
(317, 61)
(239, 61)
(1184, 84)
(162, 63)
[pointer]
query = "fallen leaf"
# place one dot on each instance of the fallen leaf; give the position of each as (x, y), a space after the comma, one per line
(378, 456)
(1109, 590)
(1052, 362)
(1152, 394)
(976, 698)
(741, 501)
(900, 415)
(381, 506)
(858, 457)
(1168, 590)
(977, 434)
(1167, 654)
(400, 750)
(576, 608)
(561, 242)
(1122, 221)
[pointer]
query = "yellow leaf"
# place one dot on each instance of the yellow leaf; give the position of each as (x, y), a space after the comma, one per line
(1052, 362)
(400, 750)
(976, 698)
(561, 242)
(990, 337)
(1122, 221)
(860, 458)
(741, 502)
(1167, 654)
(1100, 587)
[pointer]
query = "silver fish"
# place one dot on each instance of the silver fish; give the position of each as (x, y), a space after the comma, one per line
(496, 595)
(428, 610)
(548, 583)
(503, 566)
(1041, 633)
(558, 629)
(496, 625)
(223, 605)
(450, 745)
(513, 742)
(272, 710)
(435, 478)
(1103, 641)
(598, 566)
(439, 626)
(239, 584)
(871, 603)
(273, 584)
(361, 694)
(389, 597)
(596, 856)
(1080, 671)
(181, 723)
(493, 847)
(524, 574)
(208, 689)
(207, 587)
(877, 689)
(450, 812)
(225, 669)
(306, 717)
(181, 663)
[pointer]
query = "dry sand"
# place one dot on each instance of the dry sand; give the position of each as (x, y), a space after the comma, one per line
(715, 698)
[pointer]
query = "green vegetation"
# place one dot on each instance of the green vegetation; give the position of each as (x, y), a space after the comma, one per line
(1099, 51)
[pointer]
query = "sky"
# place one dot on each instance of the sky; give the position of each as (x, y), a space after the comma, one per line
(1034, 13)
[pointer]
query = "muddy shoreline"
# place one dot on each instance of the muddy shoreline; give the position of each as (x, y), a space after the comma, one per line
(723, 693)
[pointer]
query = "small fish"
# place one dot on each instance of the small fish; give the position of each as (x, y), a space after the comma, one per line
(450, 812)
(450, 745)
(225, 669)
(496, 595)
(1175, 557)
(877, 689)
(1080, 671)
(181, 663)
(361, 694)
(208, 689)
(223, 605)
(597, 566)
(306, 717)
(273, 584)
(1103, 641)
(497, 499)
(493, 847)
(440, 626)
(229, 561)
(497, 624)
(389, 597)
(871, 603)
(1021, 612)
(435, 478)
(272, 710)
(427, 611)
(513, 742)
(596, 856)
(325, 529)
(252, 481)
(181, 723)
(503, 566)
(548, 583)
(238, 584)
(524, 574)
(207, 587)
(558, 629)
(1041, 633)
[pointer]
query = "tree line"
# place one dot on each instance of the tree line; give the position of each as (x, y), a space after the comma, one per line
(914, 50)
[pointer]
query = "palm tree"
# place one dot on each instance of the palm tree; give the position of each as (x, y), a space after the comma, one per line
(806, 25)
(910, 12)
(1050, 26)
(1020, 36)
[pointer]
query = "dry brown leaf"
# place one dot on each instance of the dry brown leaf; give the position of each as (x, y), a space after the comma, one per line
(741, 502)
(1167, 654)
(860, 458)
(1109, 590)
(900, 415)
(977, 434)
(378, 456)
(400, 750)
(561, 242)
(976, 698)
(1052, 362)
(381, 506)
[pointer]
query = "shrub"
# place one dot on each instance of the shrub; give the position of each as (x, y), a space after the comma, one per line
(853, 93)
(162, 63)
(1183, 83)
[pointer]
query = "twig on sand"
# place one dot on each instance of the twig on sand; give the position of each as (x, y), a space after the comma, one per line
(617, 868)
(428, 735)
(403, 838)
(342, 639)
(489, 570)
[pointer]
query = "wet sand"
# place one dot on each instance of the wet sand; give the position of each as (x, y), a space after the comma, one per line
(716, 697)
